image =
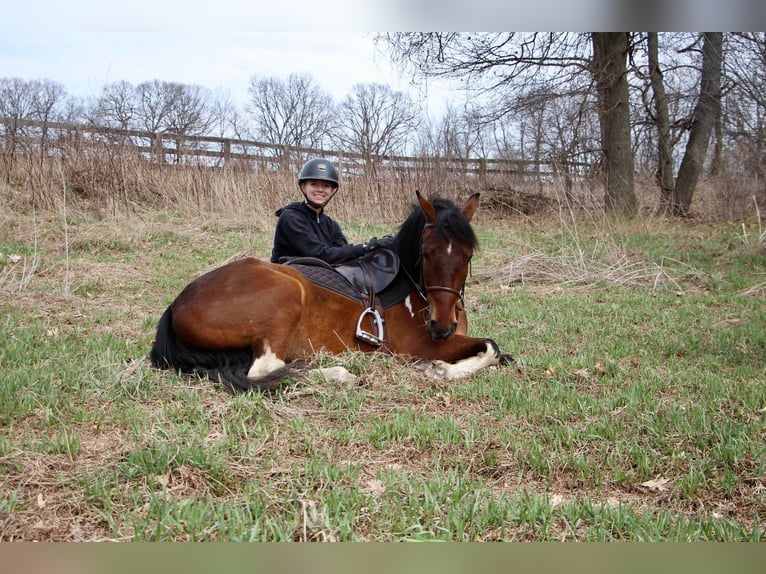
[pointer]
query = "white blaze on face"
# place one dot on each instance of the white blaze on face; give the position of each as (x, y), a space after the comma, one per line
(449, 248)
(267, 363)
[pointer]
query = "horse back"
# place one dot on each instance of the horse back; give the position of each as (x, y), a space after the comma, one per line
(223, 307)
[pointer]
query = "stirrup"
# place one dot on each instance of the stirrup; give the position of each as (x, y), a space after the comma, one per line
(377, 321)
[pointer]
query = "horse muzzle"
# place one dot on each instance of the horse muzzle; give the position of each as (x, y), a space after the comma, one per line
(440, 332)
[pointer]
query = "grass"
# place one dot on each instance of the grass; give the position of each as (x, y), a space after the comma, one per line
(635, 410)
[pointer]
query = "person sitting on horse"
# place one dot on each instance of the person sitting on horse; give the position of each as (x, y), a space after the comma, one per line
(305, 230)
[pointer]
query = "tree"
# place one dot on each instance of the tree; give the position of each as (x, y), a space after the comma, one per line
(745, 101)
(703, 120)
(291, 112)
(40, 100)
(676, 197)
(503, 67)
(462, 134)
(374, 120)
(155, 100)
(664, 170)
(610, 55)
(117, 106)
(193, 111)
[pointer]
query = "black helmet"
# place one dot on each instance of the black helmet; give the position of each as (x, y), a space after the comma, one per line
(318, 168)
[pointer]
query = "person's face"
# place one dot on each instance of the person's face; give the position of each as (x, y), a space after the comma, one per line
(317, 191)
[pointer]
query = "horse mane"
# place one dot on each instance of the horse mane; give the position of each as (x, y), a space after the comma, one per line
(450, 223)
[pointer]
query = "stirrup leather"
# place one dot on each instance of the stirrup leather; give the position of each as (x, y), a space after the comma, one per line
(377, 322)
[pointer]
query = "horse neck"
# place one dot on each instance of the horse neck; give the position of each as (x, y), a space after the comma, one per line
(408, 251)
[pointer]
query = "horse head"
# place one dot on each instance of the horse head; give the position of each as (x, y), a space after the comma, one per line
(441, 243)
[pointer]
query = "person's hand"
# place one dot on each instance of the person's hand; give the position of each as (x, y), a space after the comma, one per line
(385, 242)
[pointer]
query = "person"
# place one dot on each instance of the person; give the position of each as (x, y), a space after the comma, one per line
(305, 230)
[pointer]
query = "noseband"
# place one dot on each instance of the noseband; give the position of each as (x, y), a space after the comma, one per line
(455, 292)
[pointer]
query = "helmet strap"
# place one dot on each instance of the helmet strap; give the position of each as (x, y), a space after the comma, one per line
(316, 205)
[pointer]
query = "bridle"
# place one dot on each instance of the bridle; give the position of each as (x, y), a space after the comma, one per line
(420, 285)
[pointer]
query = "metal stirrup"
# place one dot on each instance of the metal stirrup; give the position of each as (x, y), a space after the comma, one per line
(377, 321)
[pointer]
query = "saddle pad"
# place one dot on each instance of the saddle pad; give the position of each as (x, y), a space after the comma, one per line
(328, 277)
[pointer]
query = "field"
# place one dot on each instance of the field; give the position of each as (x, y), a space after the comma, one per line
(635, 411)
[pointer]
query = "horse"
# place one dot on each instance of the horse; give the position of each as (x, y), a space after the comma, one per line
(251, 324)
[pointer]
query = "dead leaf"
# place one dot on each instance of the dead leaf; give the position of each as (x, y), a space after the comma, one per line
(373, 487)
(656, 485)
(40, 500)
(599, 368)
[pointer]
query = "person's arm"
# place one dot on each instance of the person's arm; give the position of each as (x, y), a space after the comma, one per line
(306, 240)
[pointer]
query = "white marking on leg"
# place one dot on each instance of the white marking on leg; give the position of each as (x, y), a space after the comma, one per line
(408, 304)
(267, 363)
(463, 368)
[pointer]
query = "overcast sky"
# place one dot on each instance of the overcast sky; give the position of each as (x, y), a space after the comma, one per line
(221, 44)
(83, 63)
(218, 44)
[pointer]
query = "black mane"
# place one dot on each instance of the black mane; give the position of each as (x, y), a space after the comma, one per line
(450, 223)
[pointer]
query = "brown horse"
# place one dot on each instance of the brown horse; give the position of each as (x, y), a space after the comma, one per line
(250, 324)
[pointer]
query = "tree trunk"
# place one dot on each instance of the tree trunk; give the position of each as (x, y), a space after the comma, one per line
(703, 119)
(610, 55)
(665, 149)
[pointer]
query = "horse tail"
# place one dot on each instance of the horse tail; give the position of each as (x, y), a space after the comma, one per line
(227, 367)
(164, 353)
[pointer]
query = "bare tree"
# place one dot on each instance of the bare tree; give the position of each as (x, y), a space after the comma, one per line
(502, 67)
(664, 172)
(117, 106)
(703, 120)
(41, 100)
(462, 134)
(610, 56)
(156, 100)
(193, 111)
(745, 100)
(291, 112)
(374, 120)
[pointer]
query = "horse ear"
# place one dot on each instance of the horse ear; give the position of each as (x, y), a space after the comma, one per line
(427, 206)
(471, 206)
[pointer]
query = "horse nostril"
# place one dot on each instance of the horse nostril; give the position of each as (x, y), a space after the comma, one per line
(439, 332)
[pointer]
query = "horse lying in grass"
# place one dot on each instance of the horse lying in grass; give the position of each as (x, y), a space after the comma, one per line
(251, 324)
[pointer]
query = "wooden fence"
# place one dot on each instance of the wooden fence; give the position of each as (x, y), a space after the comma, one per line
(169, 148)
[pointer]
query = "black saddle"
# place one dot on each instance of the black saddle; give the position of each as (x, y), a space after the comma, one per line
(368, 275)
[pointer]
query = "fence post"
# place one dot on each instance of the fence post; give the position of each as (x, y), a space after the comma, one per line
(158, 148)
(482, 171)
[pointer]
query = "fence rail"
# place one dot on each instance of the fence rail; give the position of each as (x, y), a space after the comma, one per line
(175, 148)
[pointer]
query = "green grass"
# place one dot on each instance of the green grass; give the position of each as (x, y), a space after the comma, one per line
(635, 411)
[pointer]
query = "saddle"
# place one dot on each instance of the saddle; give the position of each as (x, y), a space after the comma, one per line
(367, 276)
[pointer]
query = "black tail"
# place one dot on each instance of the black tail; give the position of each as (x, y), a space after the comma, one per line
(227, 367)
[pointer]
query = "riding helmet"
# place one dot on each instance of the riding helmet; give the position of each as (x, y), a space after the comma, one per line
(319, 168)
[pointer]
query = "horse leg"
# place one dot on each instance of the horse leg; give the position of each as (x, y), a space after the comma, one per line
(439, 369)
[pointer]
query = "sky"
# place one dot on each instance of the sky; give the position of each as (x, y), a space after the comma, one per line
(221, 44)
(84, 63)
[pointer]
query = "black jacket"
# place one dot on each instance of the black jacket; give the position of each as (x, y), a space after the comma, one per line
(301, 232)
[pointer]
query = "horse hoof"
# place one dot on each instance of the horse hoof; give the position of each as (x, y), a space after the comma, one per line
(433, 369)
